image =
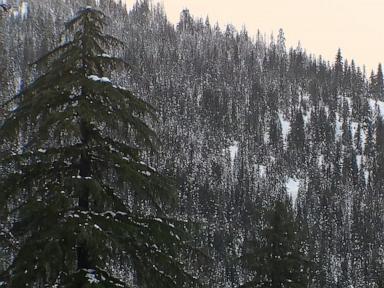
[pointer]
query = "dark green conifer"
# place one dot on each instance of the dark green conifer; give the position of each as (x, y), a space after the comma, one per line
(380, 82)
(296, 141)
(275, 258)
(71, 171)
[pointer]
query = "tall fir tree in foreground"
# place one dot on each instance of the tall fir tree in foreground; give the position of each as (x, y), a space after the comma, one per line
(275, 257)
(78, 206)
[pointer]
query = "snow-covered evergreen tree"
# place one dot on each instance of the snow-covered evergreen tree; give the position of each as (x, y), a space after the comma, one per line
(79, 207)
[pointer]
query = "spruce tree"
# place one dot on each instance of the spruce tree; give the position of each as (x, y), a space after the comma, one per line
(275, 258)
(71, 171)
(4, 10)
(380, 83)
(338, 74)
(338, 67)
(296, 141)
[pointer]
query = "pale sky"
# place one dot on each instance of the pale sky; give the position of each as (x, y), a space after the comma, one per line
(322, 26)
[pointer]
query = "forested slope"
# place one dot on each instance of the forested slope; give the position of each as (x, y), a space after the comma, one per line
(243, 122)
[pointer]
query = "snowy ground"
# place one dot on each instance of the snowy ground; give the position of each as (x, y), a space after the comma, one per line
(374, 105)
(233, 150)
(285, 126)
(21, 10)
(292, 188)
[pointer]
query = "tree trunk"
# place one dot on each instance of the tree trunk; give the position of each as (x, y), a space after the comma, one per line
(83, 261)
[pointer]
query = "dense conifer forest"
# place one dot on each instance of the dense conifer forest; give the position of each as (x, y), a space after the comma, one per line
(137, 153)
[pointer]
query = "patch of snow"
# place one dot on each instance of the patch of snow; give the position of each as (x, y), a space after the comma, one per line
(121, 213)
(175, 235)
(109, 213)
(24, 9)
(146, 173)
(233, 150)
(41, 150)
(292, 186)
(198, 98)
(307, 117)
(262, 170)
(99, 79)
(326, 108)
(366, 175)
(376, 105)
(305, 97)
(285, 126)
(358, 161)
(321, 160)
(120, 87)
(145, 164)
(13, 108)
(338, 126)
(266, 137)
(363, 138)
(91, 277)
(97, 227)
(19, 82)
(21, 11)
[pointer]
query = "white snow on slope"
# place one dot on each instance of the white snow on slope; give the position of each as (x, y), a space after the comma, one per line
(358, 161)
(373, 104)
(24, 9)
(21, 11)
(233, 150)
(146, 173)
(292, 186)
(285, 126)
(339, 125)
(320, 160)
(306, 117)
(98, 79)
(91, 277)
(263, 170)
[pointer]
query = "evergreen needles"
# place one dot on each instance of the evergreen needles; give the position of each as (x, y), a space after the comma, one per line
(77, 203)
